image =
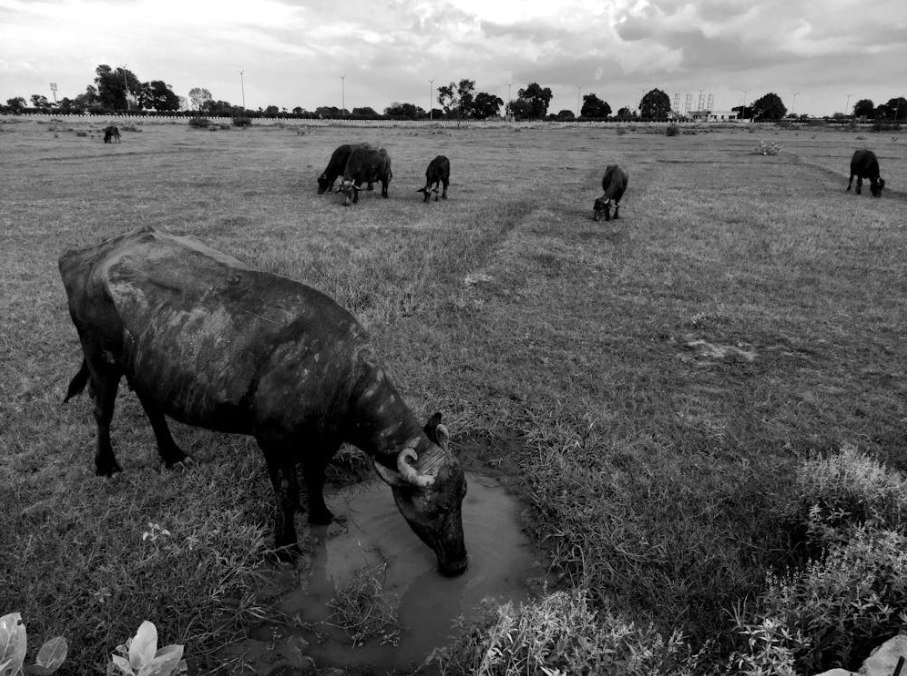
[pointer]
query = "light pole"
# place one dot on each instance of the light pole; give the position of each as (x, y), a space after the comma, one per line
(242, 87)
(53, 88)
(743, 111)
(431, 89)
(125, 87)
(793, 106)
(342, 94)
(509, 109)
(847, 105)
(579, 88)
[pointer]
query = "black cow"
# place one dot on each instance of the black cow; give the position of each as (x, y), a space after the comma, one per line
(438, 173)
(614, 182)
(865, 164)
(336, 165)
(205, 339)
(111, 133)
(365, 165)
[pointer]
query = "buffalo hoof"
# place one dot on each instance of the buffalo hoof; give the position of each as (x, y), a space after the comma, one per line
(186, 463)
(109, 471)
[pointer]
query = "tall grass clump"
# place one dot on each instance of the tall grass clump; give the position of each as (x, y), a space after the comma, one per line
(559, 634)
(846, 589)
(837, 495)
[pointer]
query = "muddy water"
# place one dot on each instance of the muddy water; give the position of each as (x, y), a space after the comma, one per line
(370, 531)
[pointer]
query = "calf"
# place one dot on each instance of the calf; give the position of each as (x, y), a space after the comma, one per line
(336, 165)
(614, 182)
(438, 173)
(865, 164)
(369, 165)
(111, 133)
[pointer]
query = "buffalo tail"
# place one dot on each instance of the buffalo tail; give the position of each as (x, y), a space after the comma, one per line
(78, 383)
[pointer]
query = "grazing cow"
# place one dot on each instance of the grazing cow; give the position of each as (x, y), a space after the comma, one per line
(336, 165)
(111, 133)
(365, 164)
(207, 340)
(614, 182)
(865, 164)
(438, 173)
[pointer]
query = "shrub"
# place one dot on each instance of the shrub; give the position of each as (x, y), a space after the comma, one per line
(13, 643)
(837, 495)
(559, 635)
(846, 603)
(242, 121)
(672, 130)
(770, 148)
(885, 125)
(199, 122)
(364, 611)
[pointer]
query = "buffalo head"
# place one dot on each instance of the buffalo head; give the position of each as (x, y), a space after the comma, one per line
(430, 498)
(875, 187)
(324, 184)
(602, 206)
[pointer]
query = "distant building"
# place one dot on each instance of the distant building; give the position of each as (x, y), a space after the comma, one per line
(712, 115)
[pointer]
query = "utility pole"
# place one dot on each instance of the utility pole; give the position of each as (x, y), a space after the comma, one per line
(578, 90)
(743, 112)
(242, 86)
(343, 94)
(125, 88)
(793, 106)
(509, 109)
(431, 90)
(847, 105)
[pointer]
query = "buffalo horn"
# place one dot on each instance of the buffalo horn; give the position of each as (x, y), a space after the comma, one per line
(404, 465)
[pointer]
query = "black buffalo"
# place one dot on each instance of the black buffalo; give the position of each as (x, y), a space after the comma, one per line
(111, 133)
(336, 165)
(865, 164)
(365, 165)
(614, 182)
(437, 174)
(205, 339)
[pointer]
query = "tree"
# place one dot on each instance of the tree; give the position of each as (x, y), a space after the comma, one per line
(566, 115)
(743, 112)
(769, 107)
(864, 108)
(457, 99)
(86, 100)
(40, 102)
(625, 114)
(594, 107)
(158, 95)
(407, 111)
(486, 105)
(896, 109)
(15, 105)
(365, 112)
(115, 86)
(520, 109)
(199, 98)
(329, 111)
(538, 99)
(655, 105)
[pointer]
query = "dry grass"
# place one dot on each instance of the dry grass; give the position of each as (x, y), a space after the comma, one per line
(652, 466)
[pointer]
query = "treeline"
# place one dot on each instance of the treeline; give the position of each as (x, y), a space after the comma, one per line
(120, 90)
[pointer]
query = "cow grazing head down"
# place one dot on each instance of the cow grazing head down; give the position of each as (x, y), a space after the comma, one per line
(614, 183)
(437, 175)
(111, 133)
(281, 362)
(865, 164)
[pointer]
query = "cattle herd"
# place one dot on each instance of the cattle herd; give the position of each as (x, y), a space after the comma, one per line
(209, 341)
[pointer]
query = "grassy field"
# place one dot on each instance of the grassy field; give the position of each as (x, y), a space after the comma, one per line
(647, 383)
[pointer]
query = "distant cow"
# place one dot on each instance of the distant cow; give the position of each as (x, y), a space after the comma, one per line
(336, 165)
(365, 165)
(614, 182)
(864, 164)
(111, 133)
(438, 173)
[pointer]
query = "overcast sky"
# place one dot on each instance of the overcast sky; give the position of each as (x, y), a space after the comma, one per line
(294, 52)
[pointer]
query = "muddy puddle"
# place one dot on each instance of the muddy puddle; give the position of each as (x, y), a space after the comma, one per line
(370, 553)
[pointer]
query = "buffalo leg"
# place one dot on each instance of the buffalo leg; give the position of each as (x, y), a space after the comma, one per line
(313, 471)
(444, 194)
(850, 182)
(859, 184)
(103, 390)
(170, 453)
(616, 211)
(384, 183)
(282, 470)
